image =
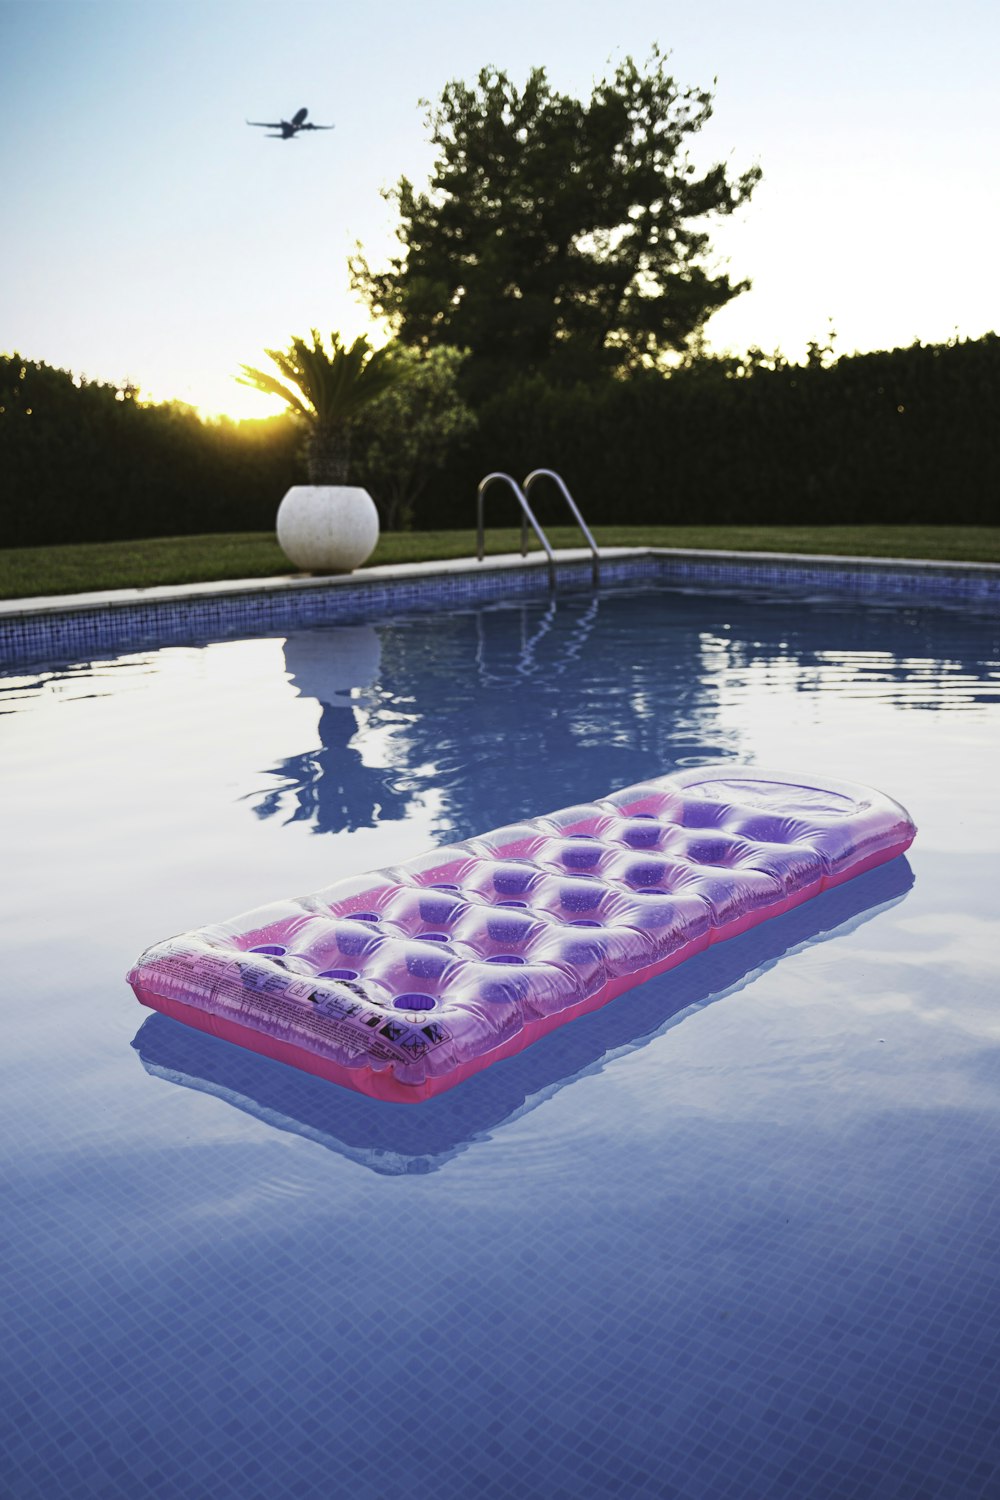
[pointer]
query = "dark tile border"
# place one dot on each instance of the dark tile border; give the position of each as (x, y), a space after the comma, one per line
(895, 580)
(60, 632)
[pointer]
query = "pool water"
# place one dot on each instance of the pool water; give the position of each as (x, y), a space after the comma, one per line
(735, 1235)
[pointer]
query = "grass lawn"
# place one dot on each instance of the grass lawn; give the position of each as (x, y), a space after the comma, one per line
(27, 571)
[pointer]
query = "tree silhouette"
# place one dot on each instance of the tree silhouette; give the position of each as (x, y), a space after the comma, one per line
(557, 234)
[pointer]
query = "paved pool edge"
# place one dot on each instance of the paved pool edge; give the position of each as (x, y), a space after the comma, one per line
(36, 630)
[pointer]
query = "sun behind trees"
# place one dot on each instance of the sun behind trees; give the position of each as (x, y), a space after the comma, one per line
(558, 236)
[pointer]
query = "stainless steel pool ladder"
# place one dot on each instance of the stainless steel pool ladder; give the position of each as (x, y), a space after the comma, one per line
(528, 518)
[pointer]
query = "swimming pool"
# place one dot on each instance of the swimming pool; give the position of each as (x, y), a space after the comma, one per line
(777, 1274)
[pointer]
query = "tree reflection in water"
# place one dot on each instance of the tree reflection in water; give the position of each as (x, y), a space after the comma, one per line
(490, 715)
(500, 712)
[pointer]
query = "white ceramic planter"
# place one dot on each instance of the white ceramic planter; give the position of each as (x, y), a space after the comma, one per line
(327, 528)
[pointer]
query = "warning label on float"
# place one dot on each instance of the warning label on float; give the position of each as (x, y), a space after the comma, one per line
(291, 1007)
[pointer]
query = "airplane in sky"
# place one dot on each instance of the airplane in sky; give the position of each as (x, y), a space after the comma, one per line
(287, 130)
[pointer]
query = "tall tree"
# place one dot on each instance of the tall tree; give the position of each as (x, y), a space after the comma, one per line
(556, 234)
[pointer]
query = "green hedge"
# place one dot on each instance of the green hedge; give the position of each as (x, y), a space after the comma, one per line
(84, 462)
(912, 435)
(904, 437)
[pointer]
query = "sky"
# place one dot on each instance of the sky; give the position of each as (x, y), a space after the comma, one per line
(154, 237)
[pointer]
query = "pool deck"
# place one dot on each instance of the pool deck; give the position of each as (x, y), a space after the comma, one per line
(297, 582)
(34, 629)
(463, 566)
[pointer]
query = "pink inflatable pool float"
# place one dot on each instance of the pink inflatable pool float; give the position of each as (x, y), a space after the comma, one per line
(403, 982)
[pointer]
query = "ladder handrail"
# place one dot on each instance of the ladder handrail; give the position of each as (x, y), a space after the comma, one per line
(551, 474)
(527, 514)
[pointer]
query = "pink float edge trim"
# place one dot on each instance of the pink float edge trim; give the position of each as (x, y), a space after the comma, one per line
(383, 1084)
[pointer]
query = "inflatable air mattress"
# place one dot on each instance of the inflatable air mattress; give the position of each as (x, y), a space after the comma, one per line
(403, 982)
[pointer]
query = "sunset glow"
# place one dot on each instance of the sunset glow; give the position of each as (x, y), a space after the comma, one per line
(163, 241)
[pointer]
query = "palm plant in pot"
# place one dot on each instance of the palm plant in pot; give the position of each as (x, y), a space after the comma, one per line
(327, 525)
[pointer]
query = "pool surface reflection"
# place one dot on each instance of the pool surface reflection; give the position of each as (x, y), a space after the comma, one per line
(735, 1235)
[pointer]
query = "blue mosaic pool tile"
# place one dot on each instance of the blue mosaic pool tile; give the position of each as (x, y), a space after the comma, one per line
(862, 579)
(36, 636)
